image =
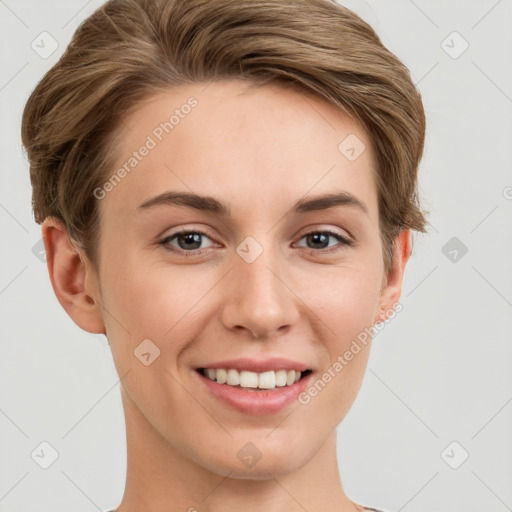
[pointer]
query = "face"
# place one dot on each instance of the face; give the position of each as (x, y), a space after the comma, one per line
(260, 277)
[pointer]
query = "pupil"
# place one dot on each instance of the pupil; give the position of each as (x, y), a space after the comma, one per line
(190, 238)
(320, 238)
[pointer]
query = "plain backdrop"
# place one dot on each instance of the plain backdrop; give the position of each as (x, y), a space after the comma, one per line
(431, 427)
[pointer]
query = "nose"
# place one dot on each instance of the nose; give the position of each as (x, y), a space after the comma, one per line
(259, 298)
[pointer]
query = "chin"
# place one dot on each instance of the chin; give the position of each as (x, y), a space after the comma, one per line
(259, 458)
(263, 470)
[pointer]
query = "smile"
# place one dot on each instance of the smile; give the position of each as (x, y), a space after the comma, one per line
(253, 381)
(254, 387)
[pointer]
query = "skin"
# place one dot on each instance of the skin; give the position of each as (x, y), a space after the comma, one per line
(259, 151)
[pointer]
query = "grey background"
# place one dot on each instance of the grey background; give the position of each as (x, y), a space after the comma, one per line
(439, 373)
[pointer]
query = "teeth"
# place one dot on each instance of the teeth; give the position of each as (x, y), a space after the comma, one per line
(246, 379)
(281, 376)
(222, 376)
(233, 378)
(267, 380)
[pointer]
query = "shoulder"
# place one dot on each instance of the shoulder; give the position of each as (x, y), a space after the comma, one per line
(371, 509)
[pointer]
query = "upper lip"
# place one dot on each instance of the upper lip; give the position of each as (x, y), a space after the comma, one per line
(258, 365)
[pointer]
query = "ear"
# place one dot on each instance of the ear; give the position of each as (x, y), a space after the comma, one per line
(71, 275)
(392, 282)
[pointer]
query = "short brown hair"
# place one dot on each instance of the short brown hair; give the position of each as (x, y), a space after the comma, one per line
(128, 49)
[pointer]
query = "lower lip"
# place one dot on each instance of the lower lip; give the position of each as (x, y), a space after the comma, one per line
(256, 402)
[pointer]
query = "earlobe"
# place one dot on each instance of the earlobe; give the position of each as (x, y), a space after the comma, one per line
(392, 289)
(68, 272)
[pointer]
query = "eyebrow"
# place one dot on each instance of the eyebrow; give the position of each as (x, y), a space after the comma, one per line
(211, 205)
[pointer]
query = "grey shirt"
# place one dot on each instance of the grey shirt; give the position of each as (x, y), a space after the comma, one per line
(366, 508)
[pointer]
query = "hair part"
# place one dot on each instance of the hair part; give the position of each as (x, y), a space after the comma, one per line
(129, 49)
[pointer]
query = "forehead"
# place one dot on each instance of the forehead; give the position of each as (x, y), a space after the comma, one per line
(248, 144)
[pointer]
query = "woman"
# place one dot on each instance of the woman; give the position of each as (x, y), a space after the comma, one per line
(281, 141)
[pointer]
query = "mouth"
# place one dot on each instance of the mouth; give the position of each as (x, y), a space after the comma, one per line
(254, 381)
(254, 388)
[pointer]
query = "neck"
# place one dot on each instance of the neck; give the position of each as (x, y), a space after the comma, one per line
(160, 478)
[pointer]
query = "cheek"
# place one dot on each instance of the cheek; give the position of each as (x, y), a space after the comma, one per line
(162, 304)
(346, 299)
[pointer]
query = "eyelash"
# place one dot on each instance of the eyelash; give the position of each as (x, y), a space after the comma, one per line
(198, 252)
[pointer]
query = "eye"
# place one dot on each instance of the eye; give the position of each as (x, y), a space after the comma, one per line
(188, 242)
(320, 241)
